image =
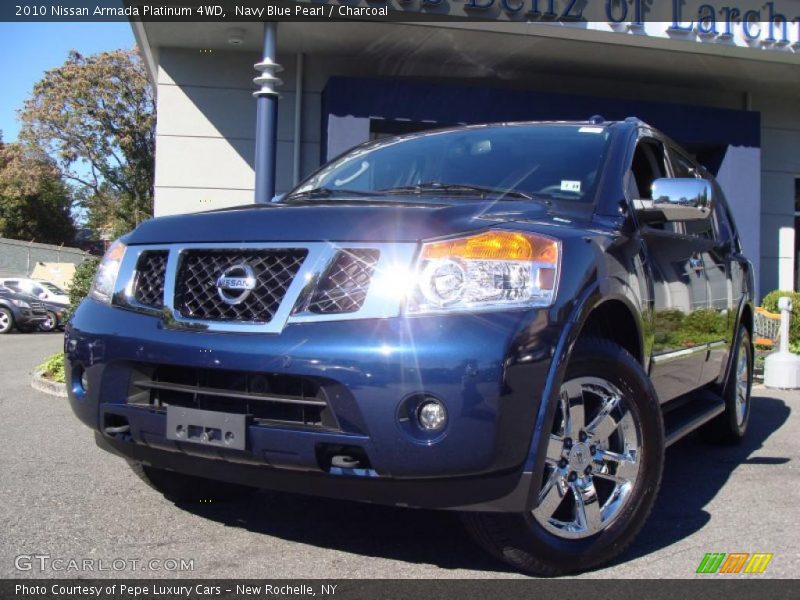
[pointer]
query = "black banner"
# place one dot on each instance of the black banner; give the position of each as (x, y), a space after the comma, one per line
(627, 14)
(712, 588)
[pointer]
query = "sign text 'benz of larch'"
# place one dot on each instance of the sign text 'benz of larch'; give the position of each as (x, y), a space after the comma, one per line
(756, 22)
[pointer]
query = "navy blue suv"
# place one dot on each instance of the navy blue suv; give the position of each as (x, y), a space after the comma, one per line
(509, 320)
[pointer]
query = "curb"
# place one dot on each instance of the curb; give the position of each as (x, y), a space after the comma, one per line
(46, 386)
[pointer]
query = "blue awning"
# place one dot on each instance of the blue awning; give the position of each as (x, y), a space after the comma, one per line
(449, 104)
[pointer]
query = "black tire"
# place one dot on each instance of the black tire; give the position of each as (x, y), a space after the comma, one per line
(51, 324)
(6, 320)
(189, 489)
(523, 541)
(730, 427)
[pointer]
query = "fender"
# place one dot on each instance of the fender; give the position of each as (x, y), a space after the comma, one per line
(743, 303)
(599, 292)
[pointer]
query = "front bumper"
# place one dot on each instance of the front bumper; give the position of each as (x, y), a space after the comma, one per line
(25, 316)
(489, 370)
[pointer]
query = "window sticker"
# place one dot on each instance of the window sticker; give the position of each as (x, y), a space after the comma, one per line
(570, 186)
(590, 130)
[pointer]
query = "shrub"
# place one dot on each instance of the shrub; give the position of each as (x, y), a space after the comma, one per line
(53, 368)
(770, 303)
(81, 283)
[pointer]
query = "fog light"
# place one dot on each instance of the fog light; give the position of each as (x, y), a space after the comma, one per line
(432, 415)
(84, 381)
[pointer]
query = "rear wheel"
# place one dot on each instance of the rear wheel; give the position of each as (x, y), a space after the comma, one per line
(6, 320)
(180, 487)
(603, 468)
(731, 426)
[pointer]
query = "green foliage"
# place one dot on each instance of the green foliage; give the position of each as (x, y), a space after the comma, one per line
(35, 203)
(770, 303)
(95, 116)
(81, 283)
(53, 368)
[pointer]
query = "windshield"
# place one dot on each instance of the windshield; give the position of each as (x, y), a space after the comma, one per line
(550, 161)
(52, 288)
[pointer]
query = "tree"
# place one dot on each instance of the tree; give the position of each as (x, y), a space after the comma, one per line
(35, 203)
(95, 116)
(81, 283)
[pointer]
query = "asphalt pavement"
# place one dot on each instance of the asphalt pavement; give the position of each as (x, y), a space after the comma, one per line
(64, 499)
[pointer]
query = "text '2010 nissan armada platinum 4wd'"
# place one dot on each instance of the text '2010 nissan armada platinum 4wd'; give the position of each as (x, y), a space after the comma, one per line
(506, 320)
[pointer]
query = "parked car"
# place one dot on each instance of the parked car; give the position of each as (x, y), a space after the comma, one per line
(56, 316)
(510, 320)
(23, 311)
(44, 290)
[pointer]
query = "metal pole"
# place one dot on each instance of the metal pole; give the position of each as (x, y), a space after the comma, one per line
(266, 116)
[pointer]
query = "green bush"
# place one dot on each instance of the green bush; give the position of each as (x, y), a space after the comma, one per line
(770, 303)
(81, 283)
(53, 368)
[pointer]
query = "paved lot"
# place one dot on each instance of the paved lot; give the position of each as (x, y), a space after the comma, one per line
(63, 497)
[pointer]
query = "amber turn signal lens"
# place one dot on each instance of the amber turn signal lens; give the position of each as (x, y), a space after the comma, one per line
(495, 245)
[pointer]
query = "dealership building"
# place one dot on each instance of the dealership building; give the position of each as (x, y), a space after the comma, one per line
(728, 90)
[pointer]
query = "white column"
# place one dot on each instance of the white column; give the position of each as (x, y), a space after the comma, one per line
(786, 258)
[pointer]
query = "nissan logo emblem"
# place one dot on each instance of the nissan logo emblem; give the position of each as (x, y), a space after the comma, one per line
(236, 283)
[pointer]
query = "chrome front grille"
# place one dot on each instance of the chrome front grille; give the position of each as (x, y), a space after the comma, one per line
(151, 270)
(38, 308)
(343, 287)
(263, 287)
(197, 295)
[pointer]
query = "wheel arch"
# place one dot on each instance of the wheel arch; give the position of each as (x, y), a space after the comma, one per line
(614, 319)
(608, 296)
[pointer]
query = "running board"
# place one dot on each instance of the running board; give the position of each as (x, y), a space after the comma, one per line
(681, 421)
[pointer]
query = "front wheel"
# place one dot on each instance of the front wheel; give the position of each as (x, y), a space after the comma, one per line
(602, 473)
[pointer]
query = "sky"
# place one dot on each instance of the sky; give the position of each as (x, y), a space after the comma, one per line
(27, 50)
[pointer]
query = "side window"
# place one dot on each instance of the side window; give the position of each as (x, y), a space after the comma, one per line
(647, 166)
(726, 230)
(682, 166)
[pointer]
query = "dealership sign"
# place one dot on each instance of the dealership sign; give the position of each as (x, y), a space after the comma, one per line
(770, 25)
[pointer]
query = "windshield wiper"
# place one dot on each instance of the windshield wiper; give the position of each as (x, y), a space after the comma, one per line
(325, 192)
(434, 187)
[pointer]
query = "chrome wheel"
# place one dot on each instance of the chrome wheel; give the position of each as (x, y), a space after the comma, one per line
(593, 460)
(742, 383)
(5, 321)
(50, 323)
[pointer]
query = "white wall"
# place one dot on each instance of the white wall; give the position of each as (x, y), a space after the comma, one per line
(780, 166)
(740, 178)
(205, 134)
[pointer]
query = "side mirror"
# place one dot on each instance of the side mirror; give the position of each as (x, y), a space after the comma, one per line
(676, 200)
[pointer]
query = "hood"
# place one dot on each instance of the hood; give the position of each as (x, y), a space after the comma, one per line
(337, 221)
(14, 295)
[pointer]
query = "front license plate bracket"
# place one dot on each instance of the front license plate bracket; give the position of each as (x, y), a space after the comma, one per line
(207, 427)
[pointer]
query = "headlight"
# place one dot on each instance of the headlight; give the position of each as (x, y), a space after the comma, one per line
(20, 303)
(106, 278)
(494, 269)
